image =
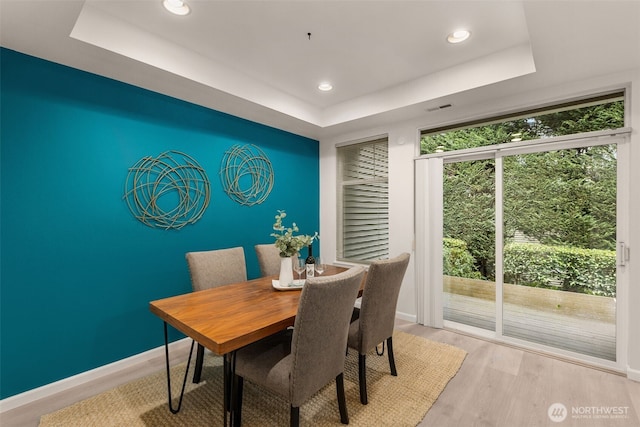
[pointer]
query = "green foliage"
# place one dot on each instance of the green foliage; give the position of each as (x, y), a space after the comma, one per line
(590, 118)
(585, 119)
(457, 259)
(286, 242)
(565, 197)
(590, 271)
(562, 198)
(469, 206)
(465, 138)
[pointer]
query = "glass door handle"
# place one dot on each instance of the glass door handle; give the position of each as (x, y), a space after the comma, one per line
(623, 254)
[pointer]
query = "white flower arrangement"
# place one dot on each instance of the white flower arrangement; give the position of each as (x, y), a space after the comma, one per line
(286, 242)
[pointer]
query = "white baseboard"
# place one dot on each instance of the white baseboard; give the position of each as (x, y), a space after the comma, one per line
(133, 367)
(408, 317)
(109, 376)
(403, 316)
(633, 374)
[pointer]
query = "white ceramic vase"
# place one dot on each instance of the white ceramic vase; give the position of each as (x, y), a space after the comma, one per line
(286, 271)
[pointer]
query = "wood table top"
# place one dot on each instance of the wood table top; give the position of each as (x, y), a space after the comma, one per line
(226, 318)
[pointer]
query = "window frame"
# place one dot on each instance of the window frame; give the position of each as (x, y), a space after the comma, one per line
(373, 174)
(429, 171)
(619, 94)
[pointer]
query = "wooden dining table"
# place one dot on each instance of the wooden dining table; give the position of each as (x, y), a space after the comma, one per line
(227, 318)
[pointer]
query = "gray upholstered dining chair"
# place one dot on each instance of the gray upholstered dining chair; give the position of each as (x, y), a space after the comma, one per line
(373, 322)
(298, 362)
(268, 259)
(210, 269)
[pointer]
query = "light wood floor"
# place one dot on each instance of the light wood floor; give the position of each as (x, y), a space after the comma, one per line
(496, 386)
(503, 386)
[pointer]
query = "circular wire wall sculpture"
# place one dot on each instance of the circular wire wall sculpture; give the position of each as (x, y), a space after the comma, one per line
(168, 191)
(246, 174)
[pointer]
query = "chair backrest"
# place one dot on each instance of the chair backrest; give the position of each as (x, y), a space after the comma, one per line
(268, 259)
(320, 332)
(379, 300)
(210, 269)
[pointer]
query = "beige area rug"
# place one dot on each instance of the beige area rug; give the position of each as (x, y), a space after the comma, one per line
(424, 369)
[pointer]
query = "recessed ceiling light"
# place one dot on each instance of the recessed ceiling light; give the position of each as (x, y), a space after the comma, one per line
(177, 7)
(458, 36)
(325, 86)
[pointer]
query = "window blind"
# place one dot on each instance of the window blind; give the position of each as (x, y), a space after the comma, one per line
(363, 201)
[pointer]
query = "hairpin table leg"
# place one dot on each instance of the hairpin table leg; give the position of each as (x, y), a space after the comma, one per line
(166, 352)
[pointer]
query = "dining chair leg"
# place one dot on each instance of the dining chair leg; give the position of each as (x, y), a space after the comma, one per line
(199, 362)
(342, 401)
(392, 362)
(294, 420)
(362, 376)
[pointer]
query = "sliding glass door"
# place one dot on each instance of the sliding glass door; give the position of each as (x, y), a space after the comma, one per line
(559, 254)
(529, 246)
(519, 226)
(468, 246)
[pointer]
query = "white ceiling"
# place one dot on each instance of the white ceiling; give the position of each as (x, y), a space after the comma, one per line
(385, 59)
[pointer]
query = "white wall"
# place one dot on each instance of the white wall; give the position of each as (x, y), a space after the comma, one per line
(634, 234)
(402, 151)
(404, 147)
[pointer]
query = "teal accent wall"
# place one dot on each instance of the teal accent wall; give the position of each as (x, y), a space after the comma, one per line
(77, 270)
